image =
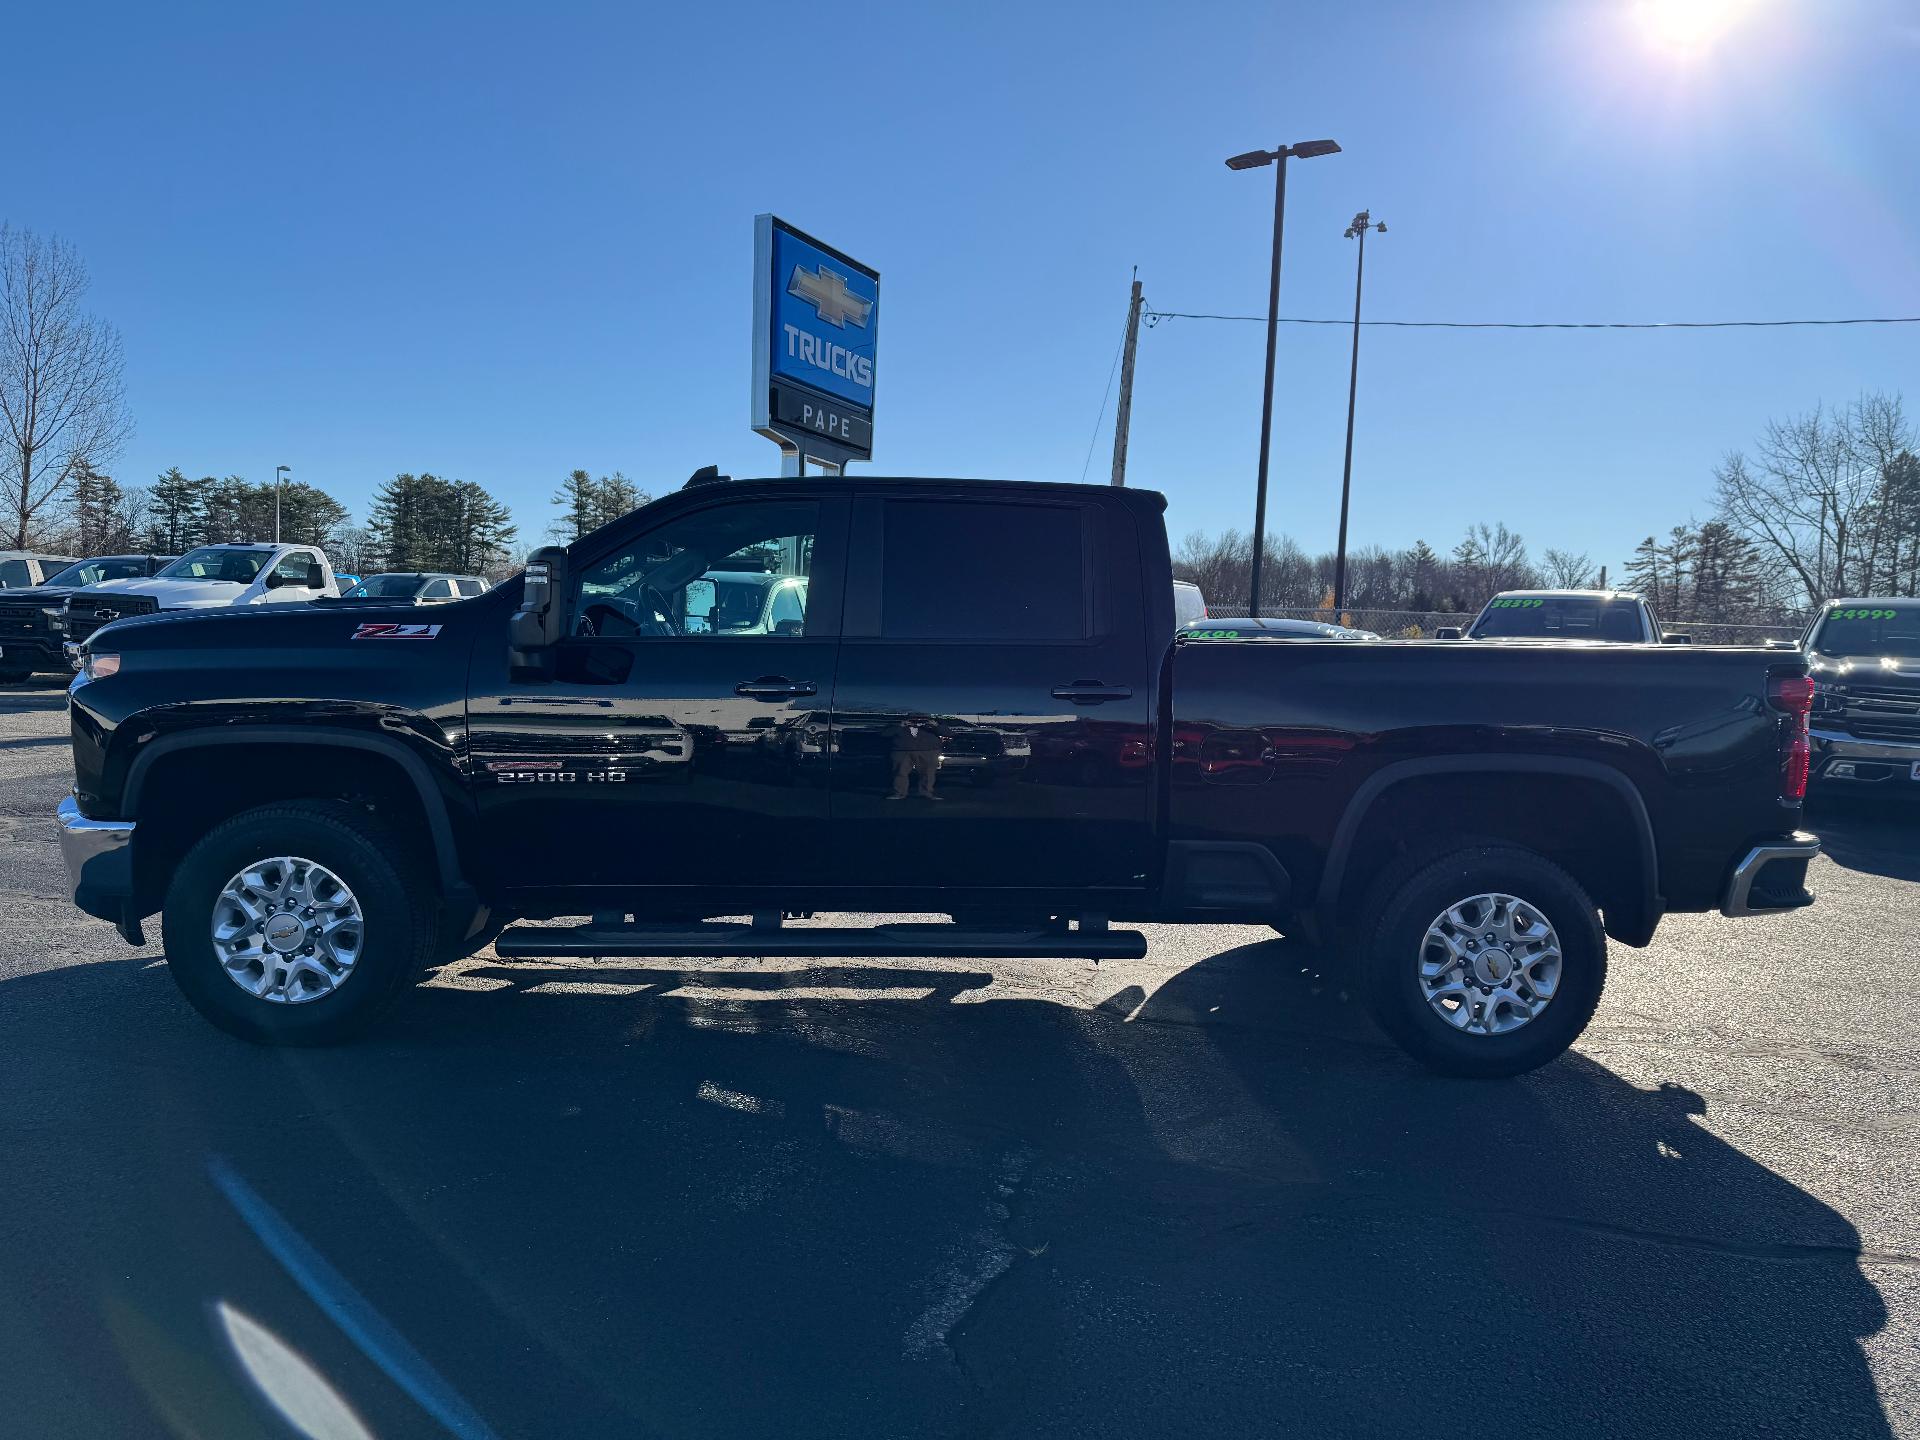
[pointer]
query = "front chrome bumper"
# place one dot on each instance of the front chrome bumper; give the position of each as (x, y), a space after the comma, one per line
(99, 858)
(1830, 745)
(1797, 849)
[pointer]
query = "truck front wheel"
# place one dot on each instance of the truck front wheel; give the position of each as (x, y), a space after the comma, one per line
(1486, 962)
(292, 924)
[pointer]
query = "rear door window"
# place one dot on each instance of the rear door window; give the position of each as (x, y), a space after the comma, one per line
(983, 570)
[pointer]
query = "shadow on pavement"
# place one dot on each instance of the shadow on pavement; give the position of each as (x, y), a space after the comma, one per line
(859, 1200)
(16, 699)
(1878, 835)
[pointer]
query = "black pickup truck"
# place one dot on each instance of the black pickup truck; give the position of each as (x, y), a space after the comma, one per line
(323, 802)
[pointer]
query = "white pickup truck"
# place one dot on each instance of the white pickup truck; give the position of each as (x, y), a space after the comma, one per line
(205, 577)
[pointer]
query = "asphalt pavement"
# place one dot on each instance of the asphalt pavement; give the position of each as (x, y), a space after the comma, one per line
(1196, 1194)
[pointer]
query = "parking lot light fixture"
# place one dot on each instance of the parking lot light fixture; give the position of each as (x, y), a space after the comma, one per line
(1254, 160)
(278, 472)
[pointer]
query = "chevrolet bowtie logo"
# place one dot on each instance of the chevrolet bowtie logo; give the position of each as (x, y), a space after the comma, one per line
(828, 294)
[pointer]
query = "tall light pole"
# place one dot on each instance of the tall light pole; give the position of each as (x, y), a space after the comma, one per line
(1361, 223)
(278, 471)
(1253, 160)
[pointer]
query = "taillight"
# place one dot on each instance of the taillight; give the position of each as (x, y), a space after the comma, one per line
(1793, 694)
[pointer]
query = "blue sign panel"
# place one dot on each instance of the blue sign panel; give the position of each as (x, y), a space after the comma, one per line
(817, 316)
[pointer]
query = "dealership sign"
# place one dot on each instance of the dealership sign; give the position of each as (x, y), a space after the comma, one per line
(816, 313)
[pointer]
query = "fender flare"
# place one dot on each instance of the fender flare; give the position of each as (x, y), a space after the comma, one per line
(433, 805)
(1384, 779)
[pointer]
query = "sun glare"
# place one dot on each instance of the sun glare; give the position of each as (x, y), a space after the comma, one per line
(1688, 28)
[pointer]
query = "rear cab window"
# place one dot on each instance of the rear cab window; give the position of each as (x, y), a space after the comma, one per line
(982, 570)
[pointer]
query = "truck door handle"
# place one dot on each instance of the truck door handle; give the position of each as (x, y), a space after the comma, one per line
(774, 687)
(1091, 692)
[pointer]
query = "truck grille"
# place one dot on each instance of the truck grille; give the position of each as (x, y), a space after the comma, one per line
(84, 616)
(21, 620)
(1883, 712)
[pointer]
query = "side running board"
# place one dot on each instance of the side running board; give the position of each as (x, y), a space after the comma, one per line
(718, 938)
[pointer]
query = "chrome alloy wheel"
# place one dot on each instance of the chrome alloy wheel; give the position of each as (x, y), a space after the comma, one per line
(287, 930)
(1489, 964)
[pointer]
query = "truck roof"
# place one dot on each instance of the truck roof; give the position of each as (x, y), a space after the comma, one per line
(1571, 594)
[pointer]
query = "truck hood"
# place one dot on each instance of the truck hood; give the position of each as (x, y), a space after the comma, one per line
(174, 594)
(37, 594)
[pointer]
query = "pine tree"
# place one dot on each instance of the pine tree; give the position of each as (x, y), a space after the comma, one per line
(175, 506)
(396, 523)
(578, 497)
(99, 512)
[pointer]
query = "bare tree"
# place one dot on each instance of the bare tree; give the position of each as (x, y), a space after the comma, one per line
(1567, 571)
(1814, 501)
(62, 404)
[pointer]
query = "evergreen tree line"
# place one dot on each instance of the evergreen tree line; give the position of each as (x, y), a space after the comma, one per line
(415, 521)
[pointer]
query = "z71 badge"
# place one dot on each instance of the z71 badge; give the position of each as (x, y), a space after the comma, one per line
(396, 632)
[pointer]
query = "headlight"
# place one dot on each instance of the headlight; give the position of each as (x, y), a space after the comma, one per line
(56, 616)
(98, 667)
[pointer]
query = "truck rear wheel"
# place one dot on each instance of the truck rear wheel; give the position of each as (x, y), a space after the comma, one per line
(1486, 962)
(293, 924)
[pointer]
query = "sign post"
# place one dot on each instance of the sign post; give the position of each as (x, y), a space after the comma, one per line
(816, 318)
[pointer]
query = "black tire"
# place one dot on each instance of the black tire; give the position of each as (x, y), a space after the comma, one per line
(381, 870)
(1407, 900)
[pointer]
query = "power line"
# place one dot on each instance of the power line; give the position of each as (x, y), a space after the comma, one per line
(1105, 395)
(1154, 317)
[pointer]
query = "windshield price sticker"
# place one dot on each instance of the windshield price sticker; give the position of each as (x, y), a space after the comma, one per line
(1862, 614)
(1515, 603)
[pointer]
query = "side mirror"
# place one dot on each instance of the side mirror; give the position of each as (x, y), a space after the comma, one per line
(316, 577)
(275, 580)
(1447, 632)
(1674, 638)
(536, 625)
(700, 598)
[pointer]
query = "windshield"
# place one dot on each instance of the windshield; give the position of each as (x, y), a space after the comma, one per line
(385, 587)
(1560, 617)
(1889, 631)
(211, 562)
(92, 572)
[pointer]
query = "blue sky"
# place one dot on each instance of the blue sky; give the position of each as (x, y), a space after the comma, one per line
(500, 242)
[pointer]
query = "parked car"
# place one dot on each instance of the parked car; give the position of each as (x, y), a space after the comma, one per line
(1864, 657)
(416, 587)
(1611, 617)
(1270, 628)
(1189, 605)
(33, 621)
(24, 569)
(209, 577)
(1466, 823)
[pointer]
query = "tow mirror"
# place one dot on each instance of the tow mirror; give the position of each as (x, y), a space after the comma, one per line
(538, 622)
(1447, 632)
(275, 580)
(1675, 638)
(700, 599)
(316, 578)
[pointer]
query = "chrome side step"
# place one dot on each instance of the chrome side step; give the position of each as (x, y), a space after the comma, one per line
(714, 939)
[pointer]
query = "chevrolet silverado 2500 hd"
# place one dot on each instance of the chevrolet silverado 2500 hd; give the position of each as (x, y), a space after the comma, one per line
(321, 802)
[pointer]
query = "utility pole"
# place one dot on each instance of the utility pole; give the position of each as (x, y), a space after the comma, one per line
(1123, 417)
(279, 471)
(1361, 223)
